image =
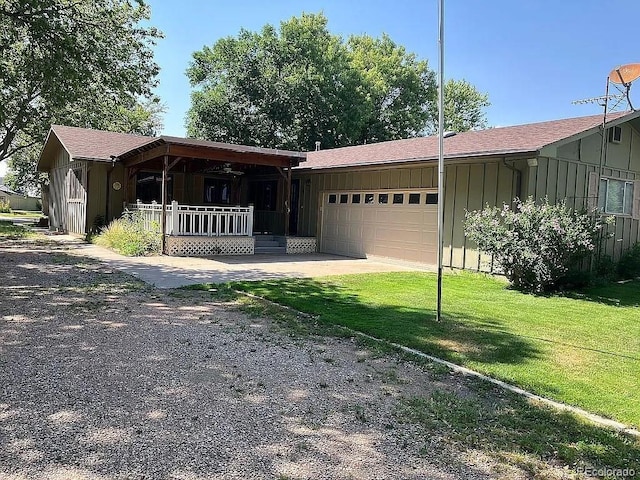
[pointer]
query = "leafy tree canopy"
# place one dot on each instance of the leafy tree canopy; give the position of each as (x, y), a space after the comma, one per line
(291, 87)
(85, 63)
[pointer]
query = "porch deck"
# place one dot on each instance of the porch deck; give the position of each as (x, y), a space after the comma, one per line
(200, 230)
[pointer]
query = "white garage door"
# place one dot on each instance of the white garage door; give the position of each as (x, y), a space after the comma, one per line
(395, 224)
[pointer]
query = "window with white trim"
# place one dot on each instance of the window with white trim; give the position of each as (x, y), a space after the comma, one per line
(615, 196)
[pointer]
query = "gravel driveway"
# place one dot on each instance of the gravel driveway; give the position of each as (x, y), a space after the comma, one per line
(104, 377)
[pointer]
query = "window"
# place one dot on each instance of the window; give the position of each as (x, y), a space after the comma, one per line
(217, 191)
(398, 198)
(332, 198)
(344, 198)
(414, 198)
(355, 198)
(432, 199)
(615, 135)
(149, 187)
(615, 196)
(368, 198)
(383, 198)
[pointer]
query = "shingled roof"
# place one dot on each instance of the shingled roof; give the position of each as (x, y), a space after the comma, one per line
(100, 145)
(519, 139)
(87, 144)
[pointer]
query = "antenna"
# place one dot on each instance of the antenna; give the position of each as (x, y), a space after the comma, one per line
(621, 78)
(599, 100)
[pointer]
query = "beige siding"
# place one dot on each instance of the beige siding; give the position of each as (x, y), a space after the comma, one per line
(97, 200)
(467, 186)
(561, 179)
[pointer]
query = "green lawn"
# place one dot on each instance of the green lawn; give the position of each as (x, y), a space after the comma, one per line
(21, 214)
(583, 350)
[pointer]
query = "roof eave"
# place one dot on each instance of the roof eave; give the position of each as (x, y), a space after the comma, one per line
(417, 160)
(592, 130)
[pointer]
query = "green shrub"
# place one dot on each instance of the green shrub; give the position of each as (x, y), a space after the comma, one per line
(536, 244)
(4, 207)
(629, 264)
(127, 236)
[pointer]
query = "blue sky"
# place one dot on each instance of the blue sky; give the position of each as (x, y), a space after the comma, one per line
(533, 57)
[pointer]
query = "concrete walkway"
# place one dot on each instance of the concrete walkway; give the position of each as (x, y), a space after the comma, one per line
(171, 272)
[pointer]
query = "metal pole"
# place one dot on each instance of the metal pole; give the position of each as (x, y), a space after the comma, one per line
(601, 163)
(440, 151)
(603, 145)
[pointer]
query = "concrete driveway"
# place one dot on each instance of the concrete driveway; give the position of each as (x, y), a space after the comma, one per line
(171, 272)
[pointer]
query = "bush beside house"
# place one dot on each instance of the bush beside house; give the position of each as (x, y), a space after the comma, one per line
(128, 236)
(540, 245)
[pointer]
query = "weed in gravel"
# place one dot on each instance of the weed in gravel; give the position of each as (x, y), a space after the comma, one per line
(360, 414)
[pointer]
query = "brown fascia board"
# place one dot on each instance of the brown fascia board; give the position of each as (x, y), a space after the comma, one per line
(215, 146)
(134, 150)
(234, 147)
(476, 157)
(92, 159)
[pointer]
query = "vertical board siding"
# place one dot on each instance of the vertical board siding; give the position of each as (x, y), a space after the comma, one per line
(541, 178)
(458, 239)
(449, 207)
(475, 201)
(561, 181)
(470, 187)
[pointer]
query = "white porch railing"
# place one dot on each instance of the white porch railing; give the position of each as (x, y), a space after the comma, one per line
(190, 220)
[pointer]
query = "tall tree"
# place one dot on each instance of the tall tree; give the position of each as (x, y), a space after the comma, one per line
(397, 88)
(291, 87)
(60, 57)
(463, 107)
(283, 89)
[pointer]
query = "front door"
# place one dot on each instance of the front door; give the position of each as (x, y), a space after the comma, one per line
(267, 217)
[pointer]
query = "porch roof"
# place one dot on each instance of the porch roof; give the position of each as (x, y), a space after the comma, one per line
(155, 149)
(104, 146)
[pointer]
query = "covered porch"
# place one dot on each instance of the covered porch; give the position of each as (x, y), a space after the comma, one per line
(217, 198)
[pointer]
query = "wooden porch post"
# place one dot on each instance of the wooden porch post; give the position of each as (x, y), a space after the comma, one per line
(287, 204)
(163, 216)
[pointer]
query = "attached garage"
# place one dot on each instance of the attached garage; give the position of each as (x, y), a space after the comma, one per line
(400, 224)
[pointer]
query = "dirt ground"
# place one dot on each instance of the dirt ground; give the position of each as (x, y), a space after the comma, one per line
(104, 377)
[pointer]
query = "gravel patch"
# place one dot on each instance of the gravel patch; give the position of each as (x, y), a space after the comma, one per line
(105, 377)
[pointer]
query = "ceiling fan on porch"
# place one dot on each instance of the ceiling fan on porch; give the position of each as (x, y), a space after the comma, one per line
(226, 168)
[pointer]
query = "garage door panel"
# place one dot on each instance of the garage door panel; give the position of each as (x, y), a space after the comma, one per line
(400, 231)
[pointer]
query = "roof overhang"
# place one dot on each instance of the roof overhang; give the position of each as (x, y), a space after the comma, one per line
(585, 133)
(154, 151)
(468, 158)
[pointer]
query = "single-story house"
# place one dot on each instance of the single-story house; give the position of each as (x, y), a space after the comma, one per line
(17, 201)
(369, 200)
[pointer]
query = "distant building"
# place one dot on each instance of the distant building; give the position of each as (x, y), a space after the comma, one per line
(17, 201)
